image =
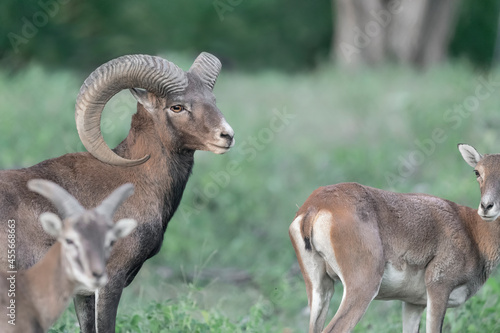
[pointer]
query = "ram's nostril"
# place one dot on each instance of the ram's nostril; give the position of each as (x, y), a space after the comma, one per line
(226, 135)
(226, 132)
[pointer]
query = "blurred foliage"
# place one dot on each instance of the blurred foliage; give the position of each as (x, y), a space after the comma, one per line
(476, 31)
(177, 316)
(289, 35)
(286, 34)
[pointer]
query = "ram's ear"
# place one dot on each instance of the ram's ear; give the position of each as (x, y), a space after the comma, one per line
(147, 99)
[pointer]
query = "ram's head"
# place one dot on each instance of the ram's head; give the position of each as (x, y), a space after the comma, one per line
(180, 104)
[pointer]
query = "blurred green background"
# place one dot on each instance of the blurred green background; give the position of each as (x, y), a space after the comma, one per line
(286, 35)
(227, 264)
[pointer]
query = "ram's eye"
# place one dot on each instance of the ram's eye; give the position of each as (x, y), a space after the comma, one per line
(69, 241)
(477, 173)
(177, 108)
(112, 243)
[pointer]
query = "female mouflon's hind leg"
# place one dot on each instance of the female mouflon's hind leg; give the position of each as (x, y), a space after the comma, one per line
(358, 294)
(319, 286)
(358, 258)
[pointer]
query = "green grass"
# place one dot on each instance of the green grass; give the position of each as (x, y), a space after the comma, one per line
(343, 126)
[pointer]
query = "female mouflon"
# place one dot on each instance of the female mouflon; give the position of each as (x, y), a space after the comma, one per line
(425, 251)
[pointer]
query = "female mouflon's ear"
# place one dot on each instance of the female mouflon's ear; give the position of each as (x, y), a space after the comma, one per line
(470, 154)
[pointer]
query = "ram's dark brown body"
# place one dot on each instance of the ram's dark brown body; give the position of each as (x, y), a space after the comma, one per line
(159, 186)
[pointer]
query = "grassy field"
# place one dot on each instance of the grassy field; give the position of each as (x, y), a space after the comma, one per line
(227, 264)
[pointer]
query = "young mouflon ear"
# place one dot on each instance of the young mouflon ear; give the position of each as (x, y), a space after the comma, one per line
(470, 154)
(124, 227)
(109, 205)
(145, 98)
(51, 223)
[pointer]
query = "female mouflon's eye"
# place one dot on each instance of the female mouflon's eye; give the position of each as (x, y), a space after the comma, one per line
(69, 241)
(177, 108)
(476, 173)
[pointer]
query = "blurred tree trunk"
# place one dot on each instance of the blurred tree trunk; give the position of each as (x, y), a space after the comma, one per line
(415, 32)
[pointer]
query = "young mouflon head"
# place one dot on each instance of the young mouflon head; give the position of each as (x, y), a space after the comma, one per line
(86, 236)
(487, 171)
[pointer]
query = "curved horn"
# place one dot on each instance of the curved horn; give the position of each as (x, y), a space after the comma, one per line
(154, 74)
(65, 203)
(207, 67)
(109, 206)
